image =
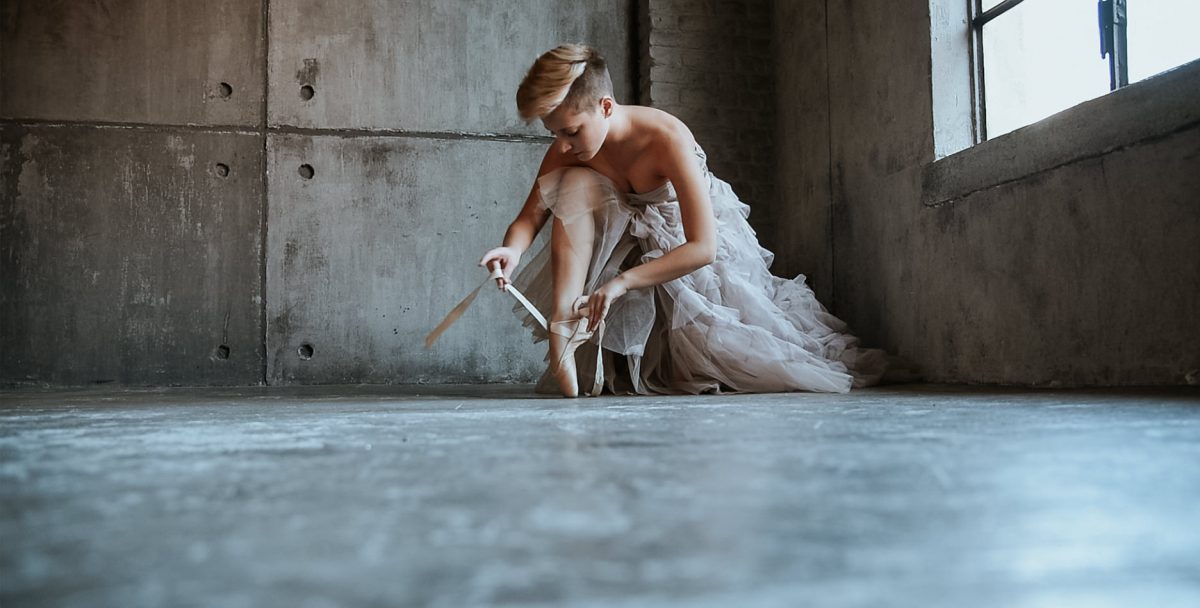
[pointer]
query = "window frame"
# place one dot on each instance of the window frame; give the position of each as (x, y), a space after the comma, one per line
(1112, 23)
(957, 167)
(1145, 111)
(977, 18)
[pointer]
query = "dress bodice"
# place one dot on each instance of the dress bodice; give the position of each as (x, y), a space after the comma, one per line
(666, 192)
(662, 194)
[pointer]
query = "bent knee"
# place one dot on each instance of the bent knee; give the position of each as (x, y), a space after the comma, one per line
(573, 174)
(581, 189)
(584, 181)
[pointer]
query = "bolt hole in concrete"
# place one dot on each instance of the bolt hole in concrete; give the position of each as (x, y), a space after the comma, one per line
(225, 90)
(222, 352)
(221, 169)
(306, 171)
(306, 92)
(305, 351)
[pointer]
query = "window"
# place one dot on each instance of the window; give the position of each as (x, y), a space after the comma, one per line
(1034, 58)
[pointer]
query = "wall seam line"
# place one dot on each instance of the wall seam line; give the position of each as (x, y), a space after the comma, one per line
(278, 130)
(829, 172)
(263, 186)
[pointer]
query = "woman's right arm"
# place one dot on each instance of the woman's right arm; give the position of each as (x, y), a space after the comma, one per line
(525, 227)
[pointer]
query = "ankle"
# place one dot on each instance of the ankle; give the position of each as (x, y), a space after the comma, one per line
(561, 315)
(575, 308)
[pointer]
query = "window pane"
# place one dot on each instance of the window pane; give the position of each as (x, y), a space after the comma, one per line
(1162, 35)
(988, 4)
(1040, 58)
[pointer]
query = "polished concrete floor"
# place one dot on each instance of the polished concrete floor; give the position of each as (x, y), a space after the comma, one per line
(461, 496)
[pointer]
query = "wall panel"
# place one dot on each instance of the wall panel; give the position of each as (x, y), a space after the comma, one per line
(368, 254)
(130, 256)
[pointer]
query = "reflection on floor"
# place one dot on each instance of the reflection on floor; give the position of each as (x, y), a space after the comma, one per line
(457, 496)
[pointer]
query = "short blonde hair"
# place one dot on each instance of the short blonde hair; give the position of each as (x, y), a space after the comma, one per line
(573, 74)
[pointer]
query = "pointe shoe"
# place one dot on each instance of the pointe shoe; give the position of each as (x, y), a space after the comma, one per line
(569, 335)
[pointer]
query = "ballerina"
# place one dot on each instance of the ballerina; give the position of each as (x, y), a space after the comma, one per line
(651, 258)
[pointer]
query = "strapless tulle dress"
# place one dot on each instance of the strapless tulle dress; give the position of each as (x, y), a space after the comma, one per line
(730, 326)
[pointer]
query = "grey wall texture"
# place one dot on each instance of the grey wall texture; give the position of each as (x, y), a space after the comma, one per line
(801, 230)
(711, 63)
(1082, 271)
(134, 61)
(365, 257)
(155, 227)
(130, 256)
(155, 230)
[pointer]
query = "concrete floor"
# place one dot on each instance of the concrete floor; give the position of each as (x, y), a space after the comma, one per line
(457, 496)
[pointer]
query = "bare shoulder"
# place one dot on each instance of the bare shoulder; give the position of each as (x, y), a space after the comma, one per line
(668, 140)
(662, 129)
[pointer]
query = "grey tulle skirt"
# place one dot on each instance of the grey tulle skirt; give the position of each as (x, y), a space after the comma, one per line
(730, 326)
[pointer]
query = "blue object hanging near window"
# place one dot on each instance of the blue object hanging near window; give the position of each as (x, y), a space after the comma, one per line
(1114, 40)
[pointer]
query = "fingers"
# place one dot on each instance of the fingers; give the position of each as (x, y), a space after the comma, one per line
(506, 259)
(596, 318)
(501, 266)
(493, 255)
(580, 308)
(598, 309)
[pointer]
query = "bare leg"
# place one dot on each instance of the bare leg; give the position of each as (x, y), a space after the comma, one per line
(570, 255)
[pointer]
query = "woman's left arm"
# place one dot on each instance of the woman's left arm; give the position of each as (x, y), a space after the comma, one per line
(699, 229)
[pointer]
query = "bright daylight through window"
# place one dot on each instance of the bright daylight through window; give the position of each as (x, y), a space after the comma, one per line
(1042, 56)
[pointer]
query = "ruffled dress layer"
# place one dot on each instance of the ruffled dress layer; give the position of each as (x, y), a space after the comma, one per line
(730, 326)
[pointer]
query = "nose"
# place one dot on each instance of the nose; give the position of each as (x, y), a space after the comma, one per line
(564, 145)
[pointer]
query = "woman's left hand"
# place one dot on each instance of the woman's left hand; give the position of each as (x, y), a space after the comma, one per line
(601, 300)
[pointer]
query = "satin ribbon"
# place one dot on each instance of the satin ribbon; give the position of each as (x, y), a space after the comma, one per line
(462, 307)
(598, 379)
(497, 273)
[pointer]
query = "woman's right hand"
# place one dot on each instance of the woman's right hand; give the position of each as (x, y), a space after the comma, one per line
(508, 258)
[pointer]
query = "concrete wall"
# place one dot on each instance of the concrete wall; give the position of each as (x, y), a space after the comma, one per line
(1078, 269)
(711, 63)
(154, 228)
(132, 61)
(128, 256)
(801, 232)
(429, 66)
(367, 255)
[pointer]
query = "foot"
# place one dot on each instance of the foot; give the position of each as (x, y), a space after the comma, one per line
(565, 338)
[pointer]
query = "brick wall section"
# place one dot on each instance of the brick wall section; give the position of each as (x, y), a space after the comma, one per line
(712, 64)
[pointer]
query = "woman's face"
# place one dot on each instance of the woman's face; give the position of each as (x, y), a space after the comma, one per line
(578, 134)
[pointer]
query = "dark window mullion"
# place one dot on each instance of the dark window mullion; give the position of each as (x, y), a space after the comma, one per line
(983, 17)
(979, 116)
